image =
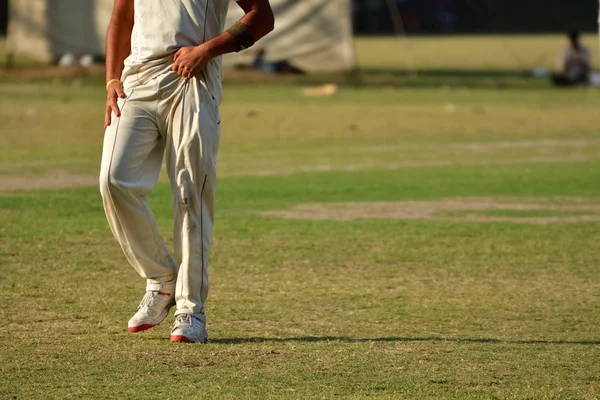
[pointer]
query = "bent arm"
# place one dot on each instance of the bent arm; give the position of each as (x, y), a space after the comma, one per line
(258, 18)
(118, 38)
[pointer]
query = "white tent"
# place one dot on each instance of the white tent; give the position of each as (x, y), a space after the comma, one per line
(44, 30)
(313, 35)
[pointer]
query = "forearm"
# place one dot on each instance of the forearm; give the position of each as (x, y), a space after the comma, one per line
(118, 46)
(259, 21)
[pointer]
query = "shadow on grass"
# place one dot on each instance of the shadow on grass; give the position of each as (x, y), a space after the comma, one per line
(447, 77)
(370, 77)
(402, 78)
(313, 339)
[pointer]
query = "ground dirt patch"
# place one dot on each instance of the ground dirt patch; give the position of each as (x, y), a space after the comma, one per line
(540, 144)
(554, 210)
(51, 180)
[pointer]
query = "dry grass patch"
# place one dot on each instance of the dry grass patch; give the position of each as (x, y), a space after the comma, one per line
(56, 179)
(476, 209)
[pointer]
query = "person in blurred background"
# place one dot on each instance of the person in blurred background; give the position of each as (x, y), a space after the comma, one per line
(164, 87)
(575, 63)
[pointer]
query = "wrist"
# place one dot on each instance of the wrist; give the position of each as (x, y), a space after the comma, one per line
(208, 49)
(112, 81)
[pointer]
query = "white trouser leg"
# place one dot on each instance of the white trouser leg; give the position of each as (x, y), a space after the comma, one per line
(131, 160)
(193, 133)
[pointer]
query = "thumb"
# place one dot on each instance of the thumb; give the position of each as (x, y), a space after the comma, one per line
(177, 54)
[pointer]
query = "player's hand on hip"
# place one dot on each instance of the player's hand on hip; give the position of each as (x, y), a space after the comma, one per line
(115, 91)
(190, 60)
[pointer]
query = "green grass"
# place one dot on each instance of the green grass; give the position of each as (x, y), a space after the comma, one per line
(479, 53)
(358, 128)
(415, 309)
(297, 308)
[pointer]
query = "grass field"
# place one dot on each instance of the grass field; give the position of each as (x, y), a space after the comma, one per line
(420, 242)
(486, 52)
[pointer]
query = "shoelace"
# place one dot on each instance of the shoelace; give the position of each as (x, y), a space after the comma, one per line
(184, 319)
(148, 299)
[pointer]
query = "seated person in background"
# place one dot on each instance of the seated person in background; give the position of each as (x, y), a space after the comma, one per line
(575, 64)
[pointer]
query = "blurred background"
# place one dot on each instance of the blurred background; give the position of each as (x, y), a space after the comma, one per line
(317, 36)
(457, 16)
(320, 49)
(323, 49)
(474, 16)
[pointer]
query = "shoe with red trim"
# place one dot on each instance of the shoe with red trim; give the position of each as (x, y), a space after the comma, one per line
(154, 307)
(189, 328)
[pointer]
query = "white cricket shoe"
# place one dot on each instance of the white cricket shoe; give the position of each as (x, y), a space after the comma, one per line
(189, 328)
(154, 308)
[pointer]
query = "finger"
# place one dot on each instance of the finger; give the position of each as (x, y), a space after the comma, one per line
(175, 66)
(107, 117)
(115, 108)
(177, 54)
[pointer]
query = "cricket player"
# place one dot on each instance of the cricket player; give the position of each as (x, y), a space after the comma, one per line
(163, 77)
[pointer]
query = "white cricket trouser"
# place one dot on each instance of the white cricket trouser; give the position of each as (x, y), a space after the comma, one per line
(179, 117)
